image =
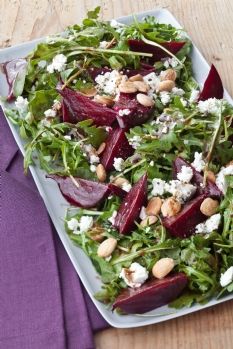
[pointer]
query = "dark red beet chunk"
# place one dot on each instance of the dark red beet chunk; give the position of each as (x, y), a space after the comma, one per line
(213, 87)
(138, 113)
(117, 146)
(153, 294)
(12, 70)
(88, 194)
(66, 115)
(82, 108)
(140, 46)
(130, 208)
(210, 189)
(184, 223)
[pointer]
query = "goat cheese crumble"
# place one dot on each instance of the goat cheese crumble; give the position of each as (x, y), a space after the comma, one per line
(152, 80)
(108, 82)
(165, 97)
(82, 226)
(170, 62)
(194, 96)
(158, 187)
(211, 106)
(209, 225)
(198, 162)
(58, 64)
(50, 113)
(123, 112)
(21, 104)
(186, 174)
(42, 64)
(181, 191)
(73, 224)
(126, 187)
(221, 178)
(135, 141)
(227, 277)
(118, 164)
(113, 217)
(135, 275)
(94, 159)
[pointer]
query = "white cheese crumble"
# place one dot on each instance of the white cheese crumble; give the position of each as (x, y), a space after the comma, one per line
(186, 174)
(42, 64)
(152, 80)
(73, 224)
(85, 224)
(135, 141)
(126, 187)
(50, 113)
(194, 96)
(165, 97)
(103, 44)
(227, 277)
(178, 91)
(135, 275)
(184, 102)
(170, 62)
(211, 106)
(113, 217)
(198, 163)
(67, 137)
(182, 191)
(221, 178)
(123, 112)
(93, 168)
(94, 159)
(58, 64)
(209, 225)
(108, 82)
(118, 164)
(21, 104)
(158, 186)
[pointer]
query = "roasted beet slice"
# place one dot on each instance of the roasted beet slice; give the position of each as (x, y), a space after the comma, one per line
(82, 108)
(184, 223)
(14, 70)
(210, 189)
(213, 87)
(140, 46)
(138, 114)
(66, 115)
(131, 206)
(88, 194)
(117, 146)
(153, 294)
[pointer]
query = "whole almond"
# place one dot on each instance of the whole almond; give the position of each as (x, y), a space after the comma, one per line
(168, 74)
(144, 100)
(101, 148)
(209, 207)
(141, 86)
(154, 206)
(163, 267)
(211, 176)
(101, 173)
(96, 233)
(127, 87)
(120, 181)
(107, 247)
(89, 92)
(166, 85)
(105, 100)
(137, 77)
(149, 220)
(170, 207)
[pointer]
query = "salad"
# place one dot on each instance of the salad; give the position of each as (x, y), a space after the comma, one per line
(142, 153)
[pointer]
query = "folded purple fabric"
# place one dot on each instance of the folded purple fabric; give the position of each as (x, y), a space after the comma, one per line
(42, 303)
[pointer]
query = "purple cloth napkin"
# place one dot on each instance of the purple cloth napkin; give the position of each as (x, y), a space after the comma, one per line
(42, 302)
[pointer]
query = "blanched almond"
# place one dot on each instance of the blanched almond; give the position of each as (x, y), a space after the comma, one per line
(141, 86)
(101, 173)
(211, 176)
(137, 77)
(105, 100)
(101, 148)
(149, 220)
(170, 207)
(120, 181)
(89, 92)
(127, 87)
(209, 207)
(166, 85)
(154, 206)
(163, 267)
(168, 74)
(107, 247)
(144, 100)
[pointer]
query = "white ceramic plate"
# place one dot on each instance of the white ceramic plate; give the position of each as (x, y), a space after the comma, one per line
(56, 204)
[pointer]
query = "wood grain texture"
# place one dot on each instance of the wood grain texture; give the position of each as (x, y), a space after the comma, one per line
(209, 23)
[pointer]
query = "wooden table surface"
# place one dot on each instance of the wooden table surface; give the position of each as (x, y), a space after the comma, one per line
(210, 24)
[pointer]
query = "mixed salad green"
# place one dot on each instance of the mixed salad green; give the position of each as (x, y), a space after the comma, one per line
(140, 75)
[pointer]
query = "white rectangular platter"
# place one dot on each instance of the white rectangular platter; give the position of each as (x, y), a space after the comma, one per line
(56, 204)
